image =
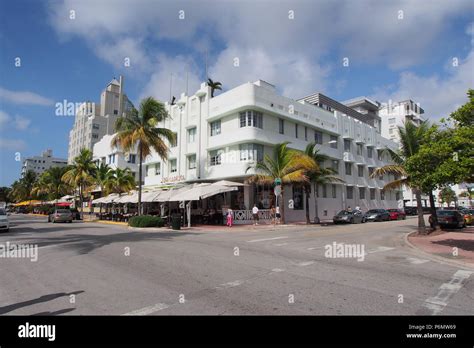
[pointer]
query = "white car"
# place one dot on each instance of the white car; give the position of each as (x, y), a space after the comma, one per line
(4, 224)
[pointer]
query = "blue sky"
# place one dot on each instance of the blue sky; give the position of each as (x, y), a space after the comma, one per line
(396, 50)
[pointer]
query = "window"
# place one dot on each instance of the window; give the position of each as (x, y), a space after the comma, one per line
(192, 162)
(318, 137)
(350, 192)
(191, 135)
(174, 143)
(95, 126)
(391, 121)
(325, 193)
(360, 171)
(146, 170)
(369, 152)
(390, 131)
(215, 157)
(296, 130)
(371, 171)
(372, 193)
(95, 136)
(215, 128)
(379, 155)
(306, 133)
(382, 195)
(333, 140)
(362, 192)
(132, 158)
(251, 118)
(397, 195)
(158, 168)
(251, 152)
(173, 166)
(347, 145)
(112, 159)
(281, 126)
(348, 168)
(297, 197)
(359, 149)
(115, 112)
(334, 191)
(335, 166)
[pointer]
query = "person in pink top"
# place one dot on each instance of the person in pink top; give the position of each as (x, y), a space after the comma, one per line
(229, 217)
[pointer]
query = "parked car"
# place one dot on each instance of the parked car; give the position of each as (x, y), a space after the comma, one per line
(397, 214)
(468, 216)
(377, 215)
(450, 218)
(411, 210)
(60, 215)
(4, 223)
(350, 217)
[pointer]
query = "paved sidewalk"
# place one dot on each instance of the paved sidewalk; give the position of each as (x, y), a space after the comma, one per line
(443, 244)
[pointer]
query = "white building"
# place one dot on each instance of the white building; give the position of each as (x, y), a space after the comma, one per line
(39, 164)
(219, 138)
(93, 121)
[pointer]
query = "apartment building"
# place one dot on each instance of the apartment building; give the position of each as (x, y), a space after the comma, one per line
(40, 164)
(395, 115)
(219, 138)
(93, 121)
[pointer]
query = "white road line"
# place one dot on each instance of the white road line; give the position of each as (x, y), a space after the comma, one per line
(277, 270)
(447, 290)
(280, 244)
(230, 284)
(263, 240)
(306, 263)
(416, 261)
(148, 310)
(379, 249)
(315, 248)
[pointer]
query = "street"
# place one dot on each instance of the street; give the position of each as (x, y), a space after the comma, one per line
(101, 269)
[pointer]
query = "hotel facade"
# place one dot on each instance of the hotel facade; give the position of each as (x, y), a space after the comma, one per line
(219, 138)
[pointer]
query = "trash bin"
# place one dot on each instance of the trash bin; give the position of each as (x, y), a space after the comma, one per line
(176, 221)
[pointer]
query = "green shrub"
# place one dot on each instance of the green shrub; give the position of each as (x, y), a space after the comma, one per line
(146, 221)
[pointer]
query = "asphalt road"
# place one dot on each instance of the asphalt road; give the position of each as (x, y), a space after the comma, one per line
(99, 269)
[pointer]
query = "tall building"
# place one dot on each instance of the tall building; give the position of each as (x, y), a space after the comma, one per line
(219, 138)
(395, 115)
(39, 164)
(93, 121)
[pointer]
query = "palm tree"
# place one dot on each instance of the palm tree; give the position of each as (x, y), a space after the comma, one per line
(22, 189)
(51, 185)
(287, 164)
(411, 138)
(139, 131)
(102, 173)
(80, 174)
(317, 176)
(214, 85)
(119, 181)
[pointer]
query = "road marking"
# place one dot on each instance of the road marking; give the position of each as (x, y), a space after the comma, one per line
(281, 244)
(379, 249)
(148, 310)
(306, 263)
(447, 290)
(278, 270)
(314, 248)
(416, 261)
(265, 239)
(230, 284)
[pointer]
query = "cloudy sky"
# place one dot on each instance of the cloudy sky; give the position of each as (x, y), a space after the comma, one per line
(69, 50)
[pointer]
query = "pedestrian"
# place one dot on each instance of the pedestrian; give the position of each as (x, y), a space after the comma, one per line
(273, 214)
(229, 217)
(277, 215)
(255, 214)
(357, 208)
(349, 208)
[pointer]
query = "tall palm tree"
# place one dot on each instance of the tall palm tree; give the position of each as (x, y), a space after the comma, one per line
(140, 131)
(102, 173)
(287, 164)
(51, 185)
(120, 181)
(22, 189)
(411, 138)
(214, 85)
(317, 176)
(80, 174)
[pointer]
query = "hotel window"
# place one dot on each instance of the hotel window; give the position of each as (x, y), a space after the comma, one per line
(146, 170)
(115, 112)
(174, 143)
(95, 126)
(297, 197)
(382, 195)
(306, 133)
(397, 195)
(251, 152)
(391, 121)
(335, 166)
(111, 159)
(359, 149)
(390, 131)
(334, 191)
(158, 168)
(215, 128)
(362, 192)
(348, 166)
(253, 118)
(132, 158)
(95, 136)
(380, 154)
(350, 192)
(371, 171)
(369, 152)
(281, 126)
(296, 130)
(372, 194)
(325, 193)
(333, 140)
(347, 145)
(318, 137)
(360, 171)
(173, 166)
(191, 135)
(215, 157)
(192, 162)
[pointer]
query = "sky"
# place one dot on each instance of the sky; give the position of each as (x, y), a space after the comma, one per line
(58, 50)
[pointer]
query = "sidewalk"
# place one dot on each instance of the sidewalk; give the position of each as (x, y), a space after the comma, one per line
(442, 244)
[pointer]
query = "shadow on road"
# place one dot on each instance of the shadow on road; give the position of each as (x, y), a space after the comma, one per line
(463, 244)
(44, 298)
(61, 311)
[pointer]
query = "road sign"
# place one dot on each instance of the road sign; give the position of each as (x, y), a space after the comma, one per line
(277, 181)
(277, 190)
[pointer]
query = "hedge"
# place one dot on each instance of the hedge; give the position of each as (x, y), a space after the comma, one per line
(146, 221)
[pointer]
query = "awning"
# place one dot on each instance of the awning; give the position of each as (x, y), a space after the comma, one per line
(131, 197)
(107, 199)
(201, 192)
(31, 202)
(227, 183)
(166, 195)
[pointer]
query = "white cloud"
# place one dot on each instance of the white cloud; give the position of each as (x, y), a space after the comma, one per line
(12, 144)
(18, 122)
(24, 97)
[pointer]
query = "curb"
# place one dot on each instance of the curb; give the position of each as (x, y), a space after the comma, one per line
(107, 222)
(436, 258)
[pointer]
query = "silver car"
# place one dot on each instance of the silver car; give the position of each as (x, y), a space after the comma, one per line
(4, 224)
(60, 215)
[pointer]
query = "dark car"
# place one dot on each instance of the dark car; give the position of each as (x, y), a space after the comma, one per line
(450, 218)
(411, 210)
(60, 215)
(397, 214)
(377, 215)
(349, 217)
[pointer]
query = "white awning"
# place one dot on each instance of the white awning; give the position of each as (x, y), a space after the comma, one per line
(131, 197)
(108, 199)
(227, 183)
(165, 195)
(201, 192)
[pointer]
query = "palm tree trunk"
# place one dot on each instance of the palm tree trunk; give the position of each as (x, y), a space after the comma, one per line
(316, 214)
(81, 200)
(282, 206)
(421, 218)
(140, 182)
(434, 223)
(306, 197)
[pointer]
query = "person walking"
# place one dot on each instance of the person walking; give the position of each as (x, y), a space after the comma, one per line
(277, 215)
(255, 214)
(273, 214)
(229, 217)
